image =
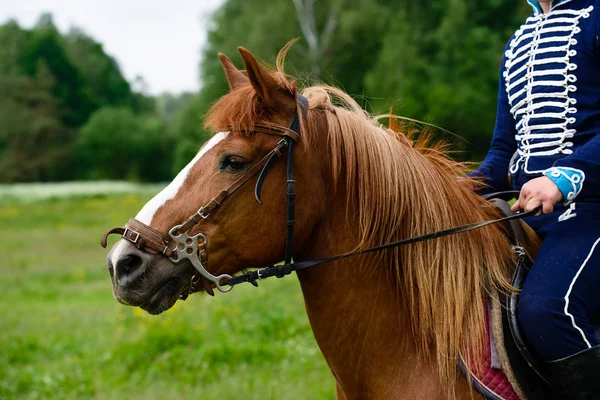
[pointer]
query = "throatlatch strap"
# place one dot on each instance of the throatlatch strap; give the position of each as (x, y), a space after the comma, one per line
(295, 125)
(291, 206)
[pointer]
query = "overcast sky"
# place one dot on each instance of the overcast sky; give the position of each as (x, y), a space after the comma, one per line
(157, 39)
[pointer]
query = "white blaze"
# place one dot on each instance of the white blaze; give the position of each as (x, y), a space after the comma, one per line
(145, 215)
(147, 212)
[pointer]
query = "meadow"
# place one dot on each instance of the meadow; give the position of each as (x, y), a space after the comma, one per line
(63, 336)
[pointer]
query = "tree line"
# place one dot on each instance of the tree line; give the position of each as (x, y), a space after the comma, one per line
(67, 112)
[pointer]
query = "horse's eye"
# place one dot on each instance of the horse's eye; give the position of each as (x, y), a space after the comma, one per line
(233, 164)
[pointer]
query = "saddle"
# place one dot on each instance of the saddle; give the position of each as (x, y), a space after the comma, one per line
(512, 371)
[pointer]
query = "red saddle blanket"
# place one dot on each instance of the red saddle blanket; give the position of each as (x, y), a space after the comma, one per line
(490, 379)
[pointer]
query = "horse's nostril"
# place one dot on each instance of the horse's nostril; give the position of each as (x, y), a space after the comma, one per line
(111, 270)
(128, 268)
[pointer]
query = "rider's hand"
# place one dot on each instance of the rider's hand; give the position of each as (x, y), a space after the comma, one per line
(538, 192)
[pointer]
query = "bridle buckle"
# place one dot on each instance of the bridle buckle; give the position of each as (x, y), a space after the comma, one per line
(201, 214)
(129, 239)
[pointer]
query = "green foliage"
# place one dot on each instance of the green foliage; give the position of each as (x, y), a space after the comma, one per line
(104, 146)
(187, 128)
(445, 69)
(34, 145)
(13, 41)
(154, 150)
(117, 144)
(184, 122)
(432, 61)
(168, 104)
(64, 336)
(50, 85)
(101, 73)
(44, 47)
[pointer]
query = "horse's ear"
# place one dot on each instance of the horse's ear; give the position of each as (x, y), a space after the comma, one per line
(234, 76)
(264, 84)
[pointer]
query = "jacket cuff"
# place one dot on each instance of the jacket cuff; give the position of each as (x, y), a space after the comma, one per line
(568, 180)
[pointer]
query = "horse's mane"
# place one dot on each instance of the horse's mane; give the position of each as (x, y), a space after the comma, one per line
(400, 186)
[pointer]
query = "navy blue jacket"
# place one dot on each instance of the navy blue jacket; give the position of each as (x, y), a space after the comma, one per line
(549, 103)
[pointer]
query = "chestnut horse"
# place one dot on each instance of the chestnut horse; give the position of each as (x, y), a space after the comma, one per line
(390, 324)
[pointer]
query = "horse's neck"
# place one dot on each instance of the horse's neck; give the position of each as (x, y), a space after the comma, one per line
(361, 330)
(354, 305)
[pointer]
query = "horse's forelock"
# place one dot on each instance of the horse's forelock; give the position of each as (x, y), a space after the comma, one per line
(241, 109)
(238, 110)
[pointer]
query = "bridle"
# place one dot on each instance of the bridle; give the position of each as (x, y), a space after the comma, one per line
(181, 245)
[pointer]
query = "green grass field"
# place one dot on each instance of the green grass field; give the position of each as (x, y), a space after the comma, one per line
(63, 336)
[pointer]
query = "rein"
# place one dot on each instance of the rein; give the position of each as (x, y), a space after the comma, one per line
(180, 245)
(288, 268)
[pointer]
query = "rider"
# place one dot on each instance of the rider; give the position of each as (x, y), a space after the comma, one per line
(549, 117)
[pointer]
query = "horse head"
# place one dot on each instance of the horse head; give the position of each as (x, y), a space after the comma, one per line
(240, 231)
